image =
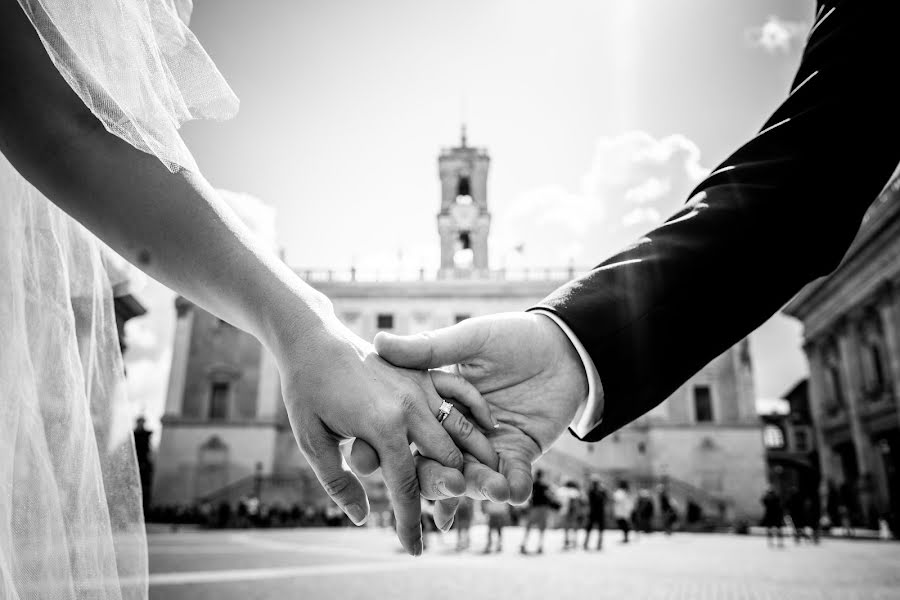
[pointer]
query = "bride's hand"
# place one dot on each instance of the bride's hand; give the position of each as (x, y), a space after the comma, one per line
(337, 388)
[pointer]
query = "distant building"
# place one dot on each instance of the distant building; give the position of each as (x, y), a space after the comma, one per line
(851, 323)
(128, 307)
(224, 413)
(791, 458)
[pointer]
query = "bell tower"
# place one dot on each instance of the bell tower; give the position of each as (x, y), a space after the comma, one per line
(464, 220)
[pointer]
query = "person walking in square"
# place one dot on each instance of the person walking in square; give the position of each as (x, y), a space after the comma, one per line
(463, 522)
(596, 513)
(497, 518)
(623, 507)
(571, 504)
(536, 516)
(773, 516)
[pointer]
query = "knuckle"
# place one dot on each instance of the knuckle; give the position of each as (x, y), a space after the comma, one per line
(436, 491)
(407, 488)
(305, 442)
(464, 428)
(336, 487)
(393, 415)
(453, 458)
(457, 380)
(407, 401)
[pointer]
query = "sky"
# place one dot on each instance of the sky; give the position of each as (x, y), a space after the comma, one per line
(599, 116)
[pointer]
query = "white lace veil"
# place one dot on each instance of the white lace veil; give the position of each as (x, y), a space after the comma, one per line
(71, 524)
(137, 66)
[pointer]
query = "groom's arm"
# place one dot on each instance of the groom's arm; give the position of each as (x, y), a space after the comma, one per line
(778, 213)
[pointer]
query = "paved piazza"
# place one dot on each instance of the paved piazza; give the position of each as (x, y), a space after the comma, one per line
(367, 563)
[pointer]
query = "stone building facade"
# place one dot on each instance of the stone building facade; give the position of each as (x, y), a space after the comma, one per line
(791, 456)
(851, 323)
(225, 425)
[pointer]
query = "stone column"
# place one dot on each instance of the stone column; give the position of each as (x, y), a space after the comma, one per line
(889, 311)
(849, 344)
(181, 351)
(817, 401)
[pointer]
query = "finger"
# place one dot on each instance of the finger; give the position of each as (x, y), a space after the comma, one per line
(516, 468)
(438, 348)
(455, 387)
(438, 482)
(444, 512)
(483, 483)
(469, 439)
(363, 458)
(429, 436)
(324, 456)
(399, 472)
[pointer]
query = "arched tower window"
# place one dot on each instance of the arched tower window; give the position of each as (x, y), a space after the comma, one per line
(463, 186)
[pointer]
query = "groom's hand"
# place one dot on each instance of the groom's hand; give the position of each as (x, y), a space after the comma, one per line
(527, 370)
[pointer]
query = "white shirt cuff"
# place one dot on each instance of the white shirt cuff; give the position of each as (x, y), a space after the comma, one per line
(590, 412)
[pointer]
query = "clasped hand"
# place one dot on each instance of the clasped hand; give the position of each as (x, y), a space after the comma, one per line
(516, 383)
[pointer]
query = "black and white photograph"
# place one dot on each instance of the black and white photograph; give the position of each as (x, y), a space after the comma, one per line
(458, 299)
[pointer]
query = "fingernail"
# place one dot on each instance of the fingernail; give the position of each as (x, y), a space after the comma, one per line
(492, 497)
(449, 524)
(442, 488)
(496, 424)
(356, 513)
(417, 548)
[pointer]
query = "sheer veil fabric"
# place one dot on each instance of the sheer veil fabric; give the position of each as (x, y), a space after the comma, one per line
(71, 524)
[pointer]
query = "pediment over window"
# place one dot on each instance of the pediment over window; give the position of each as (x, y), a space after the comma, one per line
(222, 372)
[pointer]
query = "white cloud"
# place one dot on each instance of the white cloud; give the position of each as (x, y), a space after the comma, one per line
(632, 183)
(778, 35)
(640, 216)
(652, 189)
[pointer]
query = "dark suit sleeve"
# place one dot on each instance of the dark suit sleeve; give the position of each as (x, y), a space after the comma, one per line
(778, 213)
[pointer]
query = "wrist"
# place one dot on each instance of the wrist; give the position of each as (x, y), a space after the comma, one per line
(569, 364)
(295, 318)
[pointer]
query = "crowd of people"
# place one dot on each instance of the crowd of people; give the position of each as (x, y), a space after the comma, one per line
(247, 512)
(578, 511)
(801, 515)
(581, 513)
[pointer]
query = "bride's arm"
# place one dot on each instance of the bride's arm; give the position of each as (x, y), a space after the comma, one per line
(174, 227)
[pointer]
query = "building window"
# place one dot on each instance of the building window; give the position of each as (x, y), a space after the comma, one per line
(703, 405)
(837, 389)
(385, 321)
(801, 440)
(876, 369)
(218, 401)
(461, 318)
(773, 437)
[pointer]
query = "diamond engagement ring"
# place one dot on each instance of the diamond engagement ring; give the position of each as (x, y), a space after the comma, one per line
(444, 411)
